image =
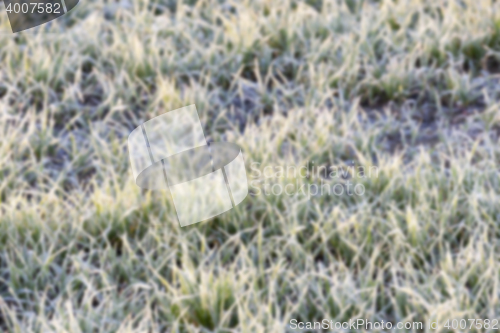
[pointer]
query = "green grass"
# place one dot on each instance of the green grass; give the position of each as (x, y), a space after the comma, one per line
(410, 86)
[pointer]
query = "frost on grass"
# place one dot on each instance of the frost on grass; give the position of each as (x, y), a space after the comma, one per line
(408, 86)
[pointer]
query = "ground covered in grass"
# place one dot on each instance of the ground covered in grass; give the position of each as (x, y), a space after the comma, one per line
(406, 86)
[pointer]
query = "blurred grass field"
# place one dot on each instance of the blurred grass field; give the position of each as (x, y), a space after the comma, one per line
(410, 86)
